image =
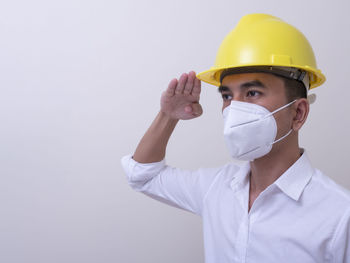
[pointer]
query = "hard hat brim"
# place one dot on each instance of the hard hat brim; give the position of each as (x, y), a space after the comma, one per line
(212, 76)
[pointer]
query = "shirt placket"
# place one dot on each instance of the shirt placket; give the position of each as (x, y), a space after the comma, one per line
(248, 218)
(243, 236)
(243, 230)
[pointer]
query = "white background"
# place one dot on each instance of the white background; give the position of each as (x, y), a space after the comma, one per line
(80, 83)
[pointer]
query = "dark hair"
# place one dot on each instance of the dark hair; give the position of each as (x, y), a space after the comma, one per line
(294, 89)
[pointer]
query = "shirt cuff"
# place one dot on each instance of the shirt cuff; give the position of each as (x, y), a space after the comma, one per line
(136, 171)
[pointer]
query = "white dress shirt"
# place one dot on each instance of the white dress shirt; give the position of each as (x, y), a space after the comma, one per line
(303, 217)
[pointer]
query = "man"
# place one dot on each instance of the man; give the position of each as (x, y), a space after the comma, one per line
(276, 207)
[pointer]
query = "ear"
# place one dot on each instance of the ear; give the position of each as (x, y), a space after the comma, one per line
(301, 111)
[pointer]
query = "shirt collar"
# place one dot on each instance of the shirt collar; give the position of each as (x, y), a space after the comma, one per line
(293, 181)
(241, 178)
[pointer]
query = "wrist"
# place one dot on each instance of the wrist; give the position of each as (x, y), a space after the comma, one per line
(165, 117)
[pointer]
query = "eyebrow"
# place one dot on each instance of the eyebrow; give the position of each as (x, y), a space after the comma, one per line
(246, 85)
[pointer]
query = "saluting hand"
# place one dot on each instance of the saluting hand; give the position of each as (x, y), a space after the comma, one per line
(181, 98)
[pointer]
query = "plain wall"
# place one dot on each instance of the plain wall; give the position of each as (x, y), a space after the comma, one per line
(80, 83)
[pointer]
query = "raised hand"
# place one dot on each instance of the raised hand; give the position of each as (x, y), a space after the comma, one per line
(181, 99)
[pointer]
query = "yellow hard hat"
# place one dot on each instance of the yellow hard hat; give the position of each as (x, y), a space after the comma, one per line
(261, 40)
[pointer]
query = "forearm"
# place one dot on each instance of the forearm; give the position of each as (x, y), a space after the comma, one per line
(152, 146)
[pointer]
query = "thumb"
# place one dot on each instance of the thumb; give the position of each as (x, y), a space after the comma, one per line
(196, 109)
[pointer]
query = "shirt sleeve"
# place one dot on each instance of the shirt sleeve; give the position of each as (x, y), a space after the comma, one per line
(180, 188)
(341, 242)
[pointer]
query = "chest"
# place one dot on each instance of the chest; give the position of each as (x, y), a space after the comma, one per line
(244, 228)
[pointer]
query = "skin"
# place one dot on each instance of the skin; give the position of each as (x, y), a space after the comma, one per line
(267, 169)
(180, 101)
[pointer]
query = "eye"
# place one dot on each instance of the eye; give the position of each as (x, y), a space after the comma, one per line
(226, 96)
(253, 93)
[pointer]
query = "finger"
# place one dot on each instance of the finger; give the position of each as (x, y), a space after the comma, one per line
(181, 85)
(196, 91)
(189, 83)
(170, 91)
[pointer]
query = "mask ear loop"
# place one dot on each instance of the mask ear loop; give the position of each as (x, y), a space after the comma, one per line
(283, 137)
(281, 108)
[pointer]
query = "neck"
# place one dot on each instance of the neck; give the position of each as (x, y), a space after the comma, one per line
(267, 169)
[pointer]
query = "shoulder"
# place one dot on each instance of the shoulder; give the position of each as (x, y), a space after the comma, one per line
(332, 187)
(330, 192)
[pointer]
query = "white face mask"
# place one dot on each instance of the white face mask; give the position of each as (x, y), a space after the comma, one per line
(250, 130)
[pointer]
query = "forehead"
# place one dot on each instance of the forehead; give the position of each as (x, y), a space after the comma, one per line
(271, 82)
